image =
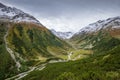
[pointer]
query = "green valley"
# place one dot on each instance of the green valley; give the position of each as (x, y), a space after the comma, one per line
(95, 57)
(57, 50)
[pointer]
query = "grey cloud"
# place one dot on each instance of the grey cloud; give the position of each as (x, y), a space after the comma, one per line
(72, 10)
(59, 7)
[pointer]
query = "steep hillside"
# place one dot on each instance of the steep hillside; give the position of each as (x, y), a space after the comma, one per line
(34, 41)
(102, 34)
(27, 44)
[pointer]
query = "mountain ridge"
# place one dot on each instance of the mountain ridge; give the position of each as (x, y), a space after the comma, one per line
(96, 26)
(16, 15)
(91, 35)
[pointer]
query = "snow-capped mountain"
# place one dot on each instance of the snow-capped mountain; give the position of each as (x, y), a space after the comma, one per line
(62, 35)
(100, 32)
(102, 24)
(15, 15)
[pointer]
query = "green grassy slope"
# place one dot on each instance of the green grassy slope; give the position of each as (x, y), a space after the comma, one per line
(31, 44)
(32, 41)
(99, 41)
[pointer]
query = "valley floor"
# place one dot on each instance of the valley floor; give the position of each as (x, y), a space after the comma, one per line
(39, 67)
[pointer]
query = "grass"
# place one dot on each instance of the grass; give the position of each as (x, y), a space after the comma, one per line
(58, 52)
(81, 52)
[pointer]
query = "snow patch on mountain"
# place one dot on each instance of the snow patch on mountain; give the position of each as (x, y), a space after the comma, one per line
(15, 15)
(102, 24)
(62, 35)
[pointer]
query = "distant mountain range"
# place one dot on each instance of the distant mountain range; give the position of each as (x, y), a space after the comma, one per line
(93, 27)
(62, 35)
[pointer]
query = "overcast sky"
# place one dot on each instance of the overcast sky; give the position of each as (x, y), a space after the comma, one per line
(67, 15)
